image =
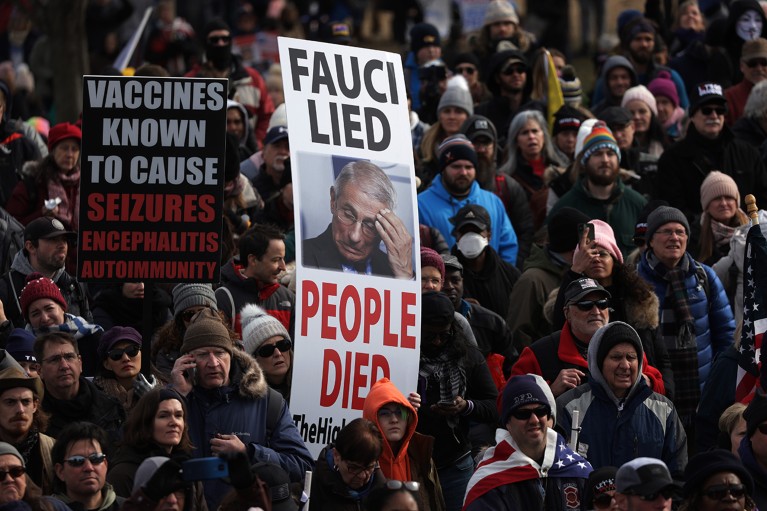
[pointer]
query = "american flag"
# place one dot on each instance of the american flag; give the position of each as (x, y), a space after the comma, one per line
(750, 356)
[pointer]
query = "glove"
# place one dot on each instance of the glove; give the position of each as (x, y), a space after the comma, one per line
(142, 385)
(240, 475)
(165, 480)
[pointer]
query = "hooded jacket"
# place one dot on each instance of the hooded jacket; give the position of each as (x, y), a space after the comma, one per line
(110, 501)
(241, 408)
(616, 430)
(602, 98)
(413, 461)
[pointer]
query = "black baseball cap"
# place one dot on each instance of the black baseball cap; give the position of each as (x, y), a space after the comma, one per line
(471, 214)
(46, 227)
(276, 134)
(577, 289)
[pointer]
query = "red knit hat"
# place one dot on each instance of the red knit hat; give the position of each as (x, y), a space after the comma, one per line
(61, 132)
(39, 287)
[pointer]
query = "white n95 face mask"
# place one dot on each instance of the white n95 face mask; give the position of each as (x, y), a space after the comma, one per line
(472, 244)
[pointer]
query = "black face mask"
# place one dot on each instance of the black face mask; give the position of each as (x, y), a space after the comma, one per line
(219, 56)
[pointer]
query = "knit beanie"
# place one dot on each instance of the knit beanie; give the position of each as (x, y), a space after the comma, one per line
(641, 93)
(6, 448)
(258, 326)
(467, 58)
(715, 185)
(583, 132)
(430, 257)
(191, 295)
(457, 94)
(640, 228)
(38, 287)
(206, 331)
(521, 390)
(423, 35)
(613, 334)
(21, 344)
(456, 148)
(600, 137)
(662, 85)
(705, 464)
(626, 17)
(567, 118)
(756, 412)
(662, 216)
(571, 86)
(604, 237)
(634, 27)
(436, 308)
(563, 229)
(500, 10)
(63, 131)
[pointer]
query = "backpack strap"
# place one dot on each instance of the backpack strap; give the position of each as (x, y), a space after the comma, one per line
(273, 412)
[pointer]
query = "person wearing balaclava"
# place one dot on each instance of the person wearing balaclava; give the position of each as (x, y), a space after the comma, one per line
(246, 85)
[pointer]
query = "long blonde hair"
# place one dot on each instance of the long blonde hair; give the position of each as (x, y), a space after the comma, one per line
(707, 234)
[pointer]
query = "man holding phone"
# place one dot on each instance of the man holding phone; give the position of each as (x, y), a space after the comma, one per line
(228, 403)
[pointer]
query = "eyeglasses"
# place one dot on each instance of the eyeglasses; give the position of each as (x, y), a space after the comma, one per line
(756, 62)
(720, 491)
(393, 484)
(762, 428)
(218, 39)
(117, 353)
(355, 469)
(97, 458)
(56, 359)
(268, 350)
(514, 69)
(586, 305)
(680, 233)
(14, 471)
(348, 219)
(399, 412)
(468, 70)
(707, 110)
(524, 415)
(666, 493)
(603, 501)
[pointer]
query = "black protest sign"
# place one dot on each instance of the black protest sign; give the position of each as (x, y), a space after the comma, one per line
(151, 192)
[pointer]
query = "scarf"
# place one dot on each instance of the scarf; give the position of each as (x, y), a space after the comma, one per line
(68, 213)
(722, 233)
(450, 376)
(113, 388)
(678, 330)
(74, 325)
(29, 443)
(506, 464)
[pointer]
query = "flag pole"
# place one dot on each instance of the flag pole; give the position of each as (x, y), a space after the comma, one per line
(751, 209)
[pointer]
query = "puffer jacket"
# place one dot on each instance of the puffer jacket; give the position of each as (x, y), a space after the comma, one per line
(714, 323)
(241, 408)
(616, 430)
(413, 461)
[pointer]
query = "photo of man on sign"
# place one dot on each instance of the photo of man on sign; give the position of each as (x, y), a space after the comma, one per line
(362, 203)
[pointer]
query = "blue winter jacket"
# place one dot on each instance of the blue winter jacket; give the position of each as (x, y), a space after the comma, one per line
(436, 207)
(616, 430)
(241, 409)
(714, 322)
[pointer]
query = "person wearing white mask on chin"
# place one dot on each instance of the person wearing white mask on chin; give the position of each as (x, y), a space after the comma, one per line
(488, 279)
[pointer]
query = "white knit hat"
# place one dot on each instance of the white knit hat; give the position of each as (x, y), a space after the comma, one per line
(643, 94)
(500, 10)
(258, 326)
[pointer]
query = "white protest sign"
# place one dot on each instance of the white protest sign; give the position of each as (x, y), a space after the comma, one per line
(358, 284)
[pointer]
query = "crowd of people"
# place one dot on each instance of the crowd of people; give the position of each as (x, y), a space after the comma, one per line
(581, 269)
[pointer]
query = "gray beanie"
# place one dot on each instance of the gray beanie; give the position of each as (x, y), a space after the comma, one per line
(258, 326)
(6, 448)
(457, 94)
(190, 295)
(662, 216)
(500, 10)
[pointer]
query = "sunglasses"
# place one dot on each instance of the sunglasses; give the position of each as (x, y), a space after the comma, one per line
(524, 415)
(465, 70)
(117, 354)
(708, 110)
(393, 484)
(666, 493)
(514, 69)
(756, 62)
(217, 39)
(97, 458)
(603, 501)
(720, 491)
(267, 351)
(586, 305)
(14, 471)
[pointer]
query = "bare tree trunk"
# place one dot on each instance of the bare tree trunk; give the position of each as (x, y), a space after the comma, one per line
(64, 23)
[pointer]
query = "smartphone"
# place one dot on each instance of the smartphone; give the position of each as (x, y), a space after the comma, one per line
(204, 469)
(581, 227)
(446, 403)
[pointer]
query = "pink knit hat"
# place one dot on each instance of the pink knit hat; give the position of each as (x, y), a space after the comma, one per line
(641, 93)
(715, 185)
(662, 85)
(605, 238)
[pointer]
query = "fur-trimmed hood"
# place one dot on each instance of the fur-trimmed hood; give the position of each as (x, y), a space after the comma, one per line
(641, 304)
(246, 375)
